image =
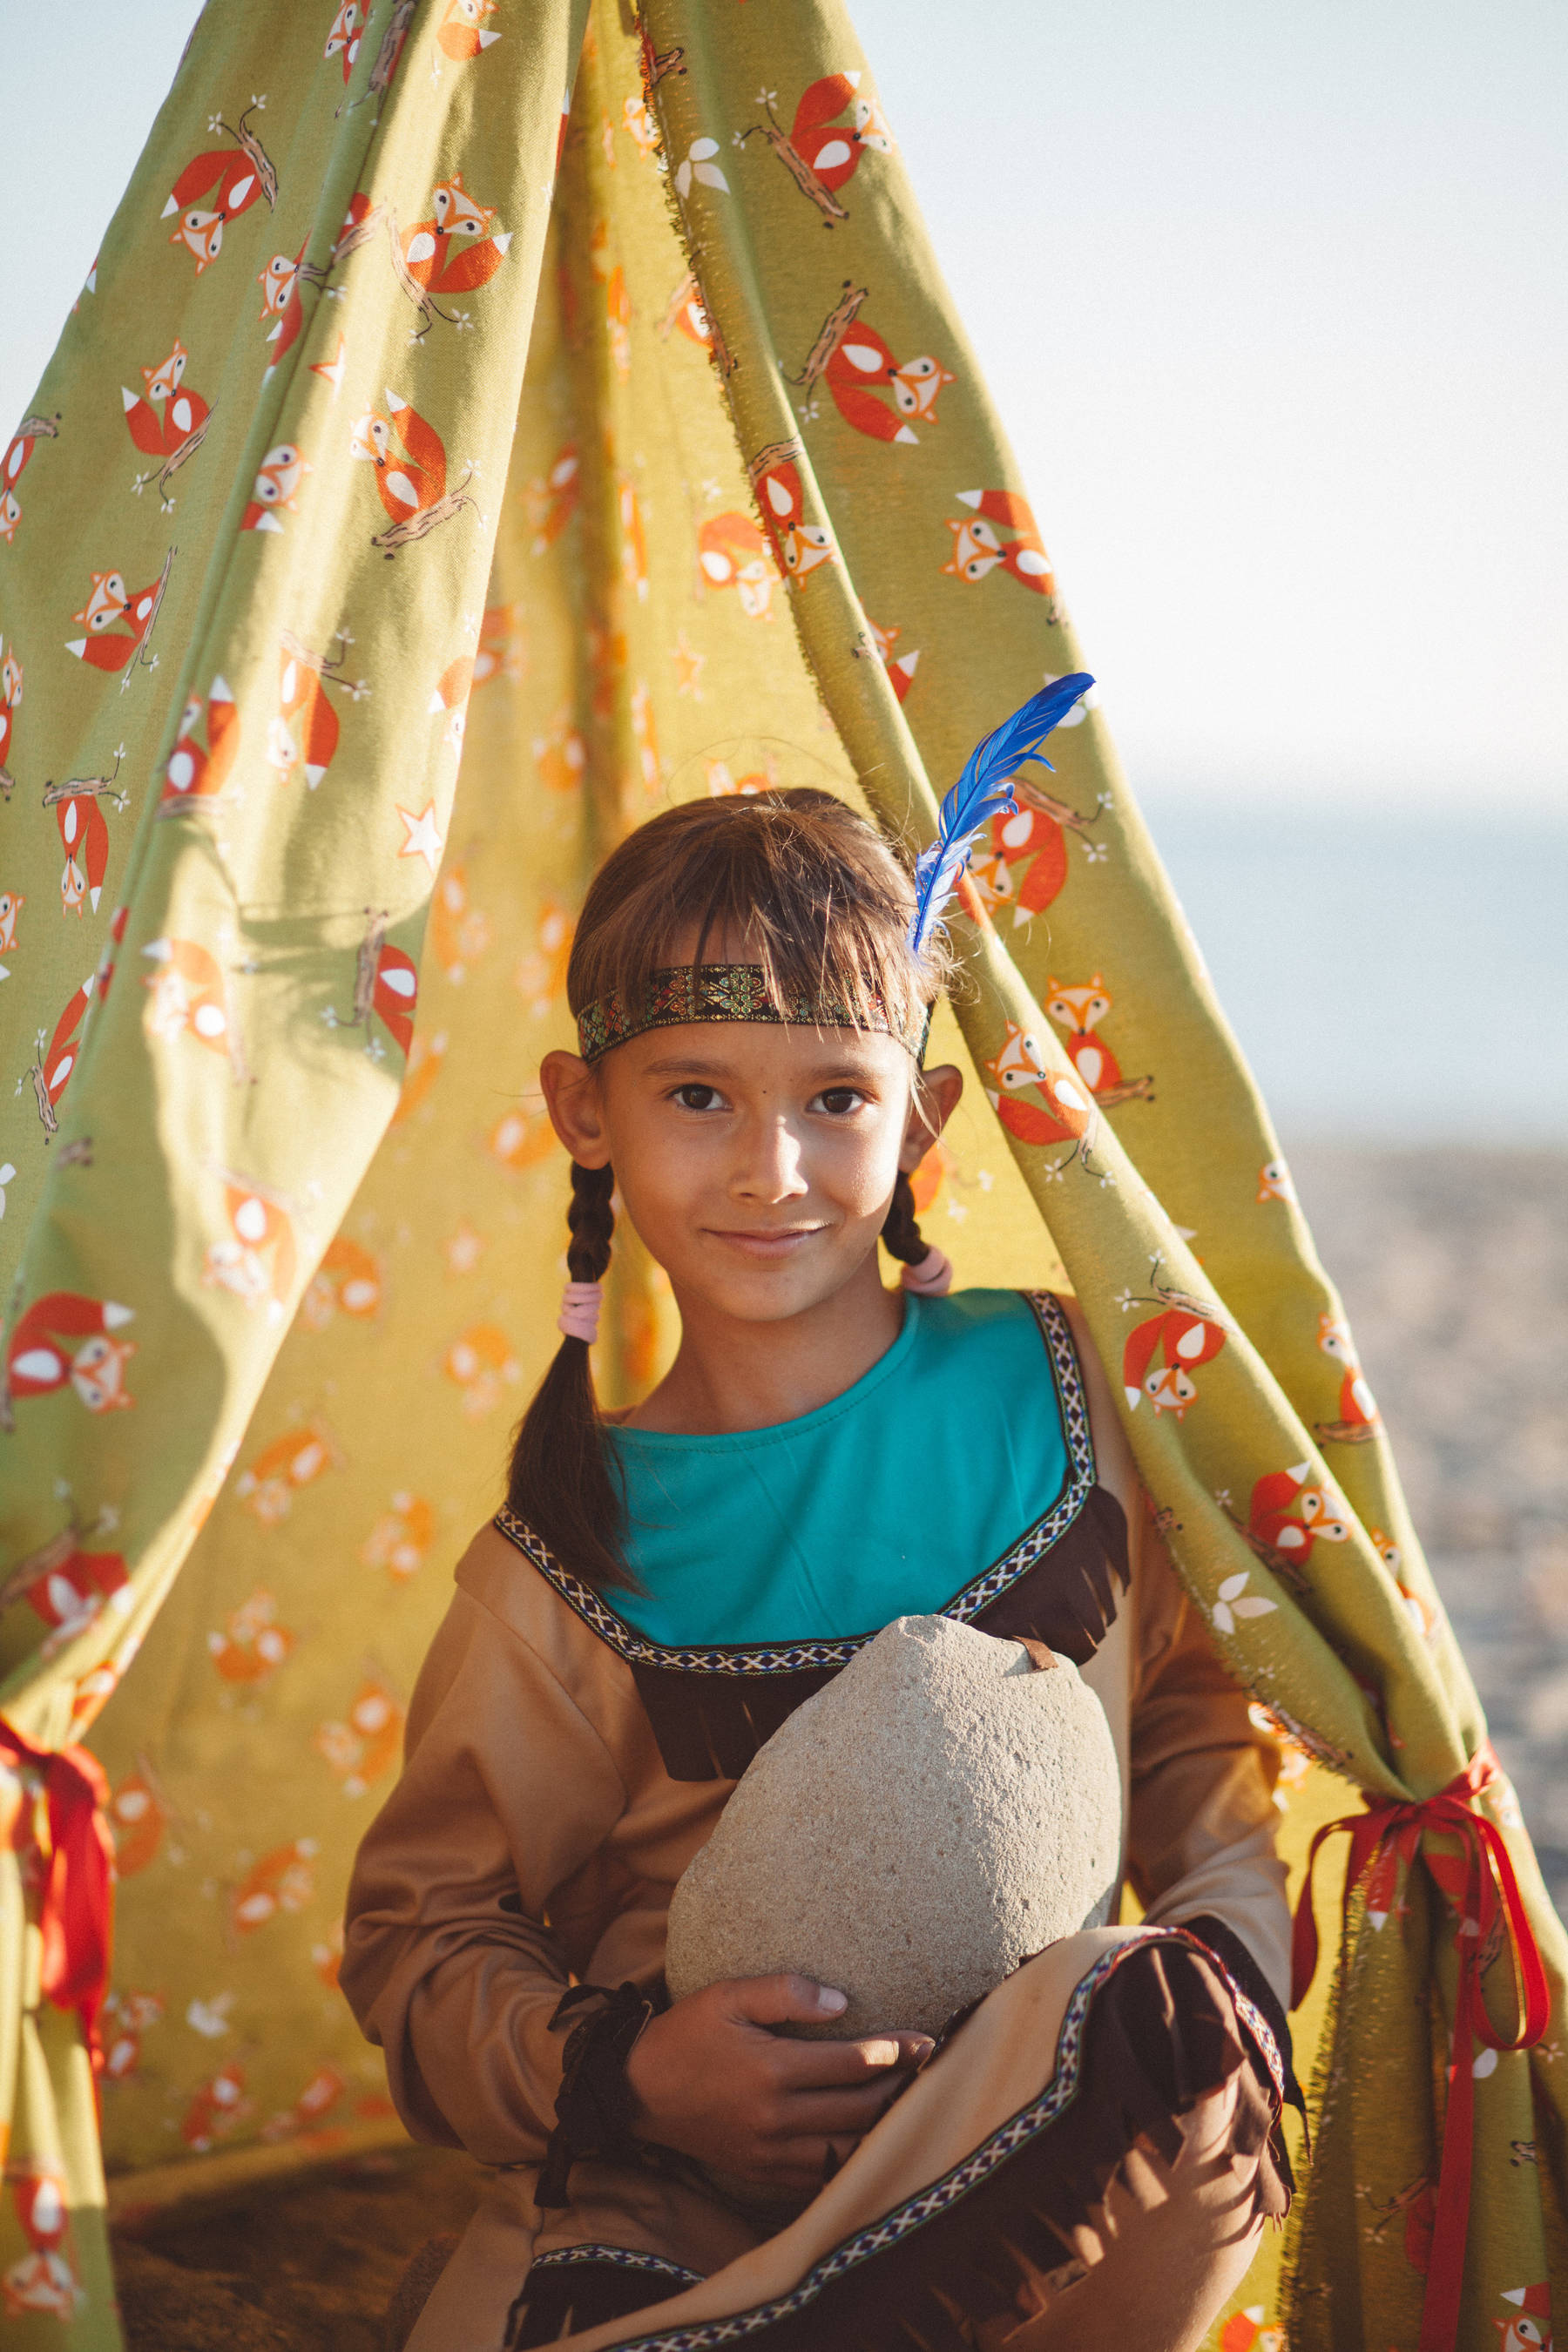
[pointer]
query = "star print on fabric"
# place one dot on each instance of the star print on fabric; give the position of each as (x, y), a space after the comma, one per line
(423, 838)
(689, 666)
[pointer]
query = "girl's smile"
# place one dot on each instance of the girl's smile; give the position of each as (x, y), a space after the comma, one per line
(757, 1163)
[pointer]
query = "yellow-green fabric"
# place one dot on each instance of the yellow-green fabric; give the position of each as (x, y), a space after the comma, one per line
(747, 517)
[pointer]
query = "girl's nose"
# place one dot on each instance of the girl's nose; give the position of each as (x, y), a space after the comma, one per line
(768, 1166)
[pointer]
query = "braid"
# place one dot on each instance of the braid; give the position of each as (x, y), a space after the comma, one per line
(593, 1222)
(901, 1236)
(563, 1481)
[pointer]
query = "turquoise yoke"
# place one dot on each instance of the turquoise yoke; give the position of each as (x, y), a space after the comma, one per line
(885, 1503)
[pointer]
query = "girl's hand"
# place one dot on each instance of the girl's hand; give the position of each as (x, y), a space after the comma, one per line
(712, 2080)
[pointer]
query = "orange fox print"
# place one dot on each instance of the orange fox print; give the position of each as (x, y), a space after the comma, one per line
(863, 372)
(126, 2017)
(118, 621)
(10, 702)
(733, 553)
(220, 2106)
(346, 32)
(19, 449)
(1358, 1419)
(520, 1139)
(460, 931)
(310, 2110)
(399, 1537)
(256, 1260)
(427, 1056)
(452, 694)
(1274, 1183)
(1162, 1354)
(65, 1341)
(252, 1645)
(138, 1816)
(561, 756)
(542, 973)
(1417, 1607)
(69, 1593)
(282, 284)
(166, 421)
(360, 1749)
(302, 733)
(198, 772)
(217, 187)
(502, 645)
(549, 503)
(1080, 1010)
(52, 1073)
(276, 490)
(283, 1880)
(1024, 863)
(634, 541)
(685, 313)
(84, 837)
(900, 668)
(799, 546)
(979, 548)
(42, 2283)
(282, 1470)
(347, 1282)
(465, 30)
(1060, 1112)
(481, 1364)
(1528, 2327)
(821, 151)
(1288, 1514)
(1250, 2331)
(410, 461)
(456, 251)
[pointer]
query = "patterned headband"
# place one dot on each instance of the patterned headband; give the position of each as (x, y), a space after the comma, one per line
(727, 991)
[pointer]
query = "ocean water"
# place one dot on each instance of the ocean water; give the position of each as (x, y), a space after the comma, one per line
(1392, 978)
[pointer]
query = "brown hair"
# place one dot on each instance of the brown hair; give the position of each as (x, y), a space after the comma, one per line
(822, 904)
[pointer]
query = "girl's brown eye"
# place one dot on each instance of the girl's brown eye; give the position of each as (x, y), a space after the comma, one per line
(696, 1097)
(839, 1099)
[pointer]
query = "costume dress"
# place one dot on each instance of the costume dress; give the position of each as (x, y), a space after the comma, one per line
(568, 1752)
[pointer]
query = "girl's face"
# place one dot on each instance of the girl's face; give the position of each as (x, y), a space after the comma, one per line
(757, 1163)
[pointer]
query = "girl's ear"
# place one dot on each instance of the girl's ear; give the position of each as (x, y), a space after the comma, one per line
(935, 1100)
(576, 1113)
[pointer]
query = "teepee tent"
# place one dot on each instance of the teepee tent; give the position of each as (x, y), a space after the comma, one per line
(483, 425)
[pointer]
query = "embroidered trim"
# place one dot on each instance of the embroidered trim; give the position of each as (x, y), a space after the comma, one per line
(620, 2258)
(748, 1658)
(975, 2168)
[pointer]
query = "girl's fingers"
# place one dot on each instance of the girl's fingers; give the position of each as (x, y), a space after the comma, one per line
(816, 2065)
(827, 2112)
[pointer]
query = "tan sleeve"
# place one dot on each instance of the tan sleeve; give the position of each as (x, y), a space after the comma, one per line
(506, 1791)
(1202, 1816)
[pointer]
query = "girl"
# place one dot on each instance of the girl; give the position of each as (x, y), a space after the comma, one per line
(1088, 2158)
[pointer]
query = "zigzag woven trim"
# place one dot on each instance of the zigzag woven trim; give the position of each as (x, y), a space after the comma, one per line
(740, 1658)
(975, 2168)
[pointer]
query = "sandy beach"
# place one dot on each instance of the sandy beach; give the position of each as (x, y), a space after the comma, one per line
(1454, 1267)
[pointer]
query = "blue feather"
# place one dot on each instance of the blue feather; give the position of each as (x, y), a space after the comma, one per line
(984, 787)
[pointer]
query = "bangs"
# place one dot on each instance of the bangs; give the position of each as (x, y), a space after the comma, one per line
(793, 882)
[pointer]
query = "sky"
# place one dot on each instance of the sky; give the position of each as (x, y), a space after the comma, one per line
(1271, 300)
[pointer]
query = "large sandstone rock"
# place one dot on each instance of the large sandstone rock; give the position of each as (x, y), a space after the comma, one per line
(941, 1811)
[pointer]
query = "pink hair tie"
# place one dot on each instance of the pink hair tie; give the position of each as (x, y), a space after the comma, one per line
(932, 1278)
(579, 1315)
